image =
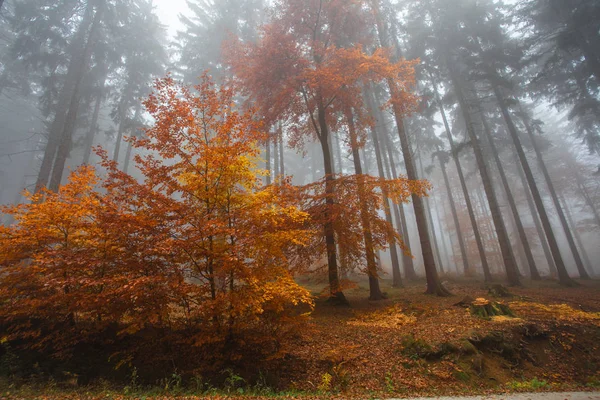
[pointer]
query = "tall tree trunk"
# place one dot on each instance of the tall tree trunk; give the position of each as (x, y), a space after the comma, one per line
(533, 271)
(505, 246)
(588, 200)
(399, 214)
(563, 275)
(77, 66)
(374, 289)
(66, 143)
(268, 160)
(89, 137)
(338, 151)
(536, 219)
(434, 285)
(396, 277)
(459, 234)
(276, 171)
(134, 128)
(468, 203)
(576, 234)
(561, 216)
(335, 292)
(429, 216)
(281, 158)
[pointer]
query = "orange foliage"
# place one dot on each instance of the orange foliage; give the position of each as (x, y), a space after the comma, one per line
(310, 59)
(197, 248)
(345, 214)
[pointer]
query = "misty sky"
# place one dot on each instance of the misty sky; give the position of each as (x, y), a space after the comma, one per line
(168, 11)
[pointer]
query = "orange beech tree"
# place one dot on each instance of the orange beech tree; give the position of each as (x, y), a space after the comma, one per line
(196, 249)
(300, 73)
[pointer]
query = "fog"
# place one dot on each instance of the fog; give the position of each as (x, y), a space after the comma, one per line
(508, 96)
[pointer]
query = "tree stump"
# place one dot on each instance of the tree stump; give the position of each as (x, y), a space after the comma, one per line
(484, 308)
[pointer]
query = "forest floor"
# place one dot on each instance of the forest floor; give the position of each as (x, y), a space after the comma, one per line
(413, 344)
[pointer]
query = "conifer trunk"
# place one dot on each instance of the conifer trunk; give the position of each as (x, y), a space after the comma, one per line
(576, 234)
(533, 271)
(399, 214)
(536, 219)
(563, 275)
(281, 158)
(75, 72)
(268, 160)
(434, 285)
(459, 234)
(504, 242)
(374, 289)
(138, 111)
(335, 292)
(396, 277)
(89, 137)
(468, 203)
(562, 271)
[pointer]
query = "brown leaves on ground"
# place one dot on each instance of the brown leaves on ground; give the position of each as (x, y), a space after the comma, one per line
(364, 348)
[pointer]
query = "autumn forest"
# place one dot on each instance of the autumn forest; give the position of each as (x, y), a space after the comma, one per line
(299, 198)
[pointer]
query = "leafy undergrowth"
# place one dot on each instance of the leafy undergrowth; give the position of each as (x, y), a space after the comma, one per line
(410, 344)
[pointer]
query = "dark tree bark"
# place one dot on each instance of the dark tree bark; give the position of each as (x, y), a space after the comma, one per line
(399, 214)
(536, 219)
(430, 219)
(268, 160)
(468, 203)
(562, 271)
(459, 234)
(89, 137)
(134, 131)
(533, 271)
(434, 285)
(323, 134)
(281, 158)
(576, 234)
(276, 171)
(563, 275)
(504, 242)
(396, 277)
(374, 289)
(77, 66)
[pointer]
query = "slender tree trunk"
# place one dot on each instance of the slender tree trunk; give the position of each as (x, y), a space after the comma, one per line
(396, 277)
(399, 214)
(588, 199)
(77, 66)
(533, 271)
(576, 234)
(505, 246)
(281, 158)
(336, 294)
(268, 160)
(338, 151)
(563, 275)
(536, 219)
(434, 285)
(66, 143)
(468, 203)
(562, 271)
(374, 289)
(136, 117)
(429, 217)
(459, 234)
(276, 161)
(89, 137)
